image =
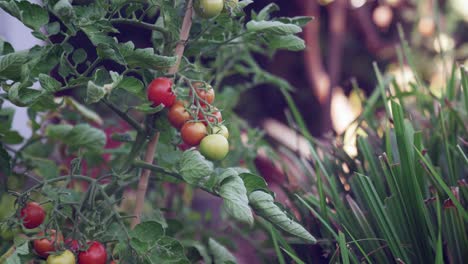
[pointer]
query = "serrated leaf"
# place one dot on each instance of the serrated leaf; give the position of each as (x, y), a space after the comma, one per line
(194, 168)
(82, 135)
(48, 83)
(145, 58)
(272, 27)
(220, 253)
(168, 250)
(234, 195)
(149, 108)
(132, 85)
(263, 204)
(11, 63)
(287, 42)
(32, 15)
(254, 182)
(79, 56)
(149, 231)
(5, 47)
(298, 20)
(52, 28)
(264, 14)
(83, 110)
(58, 132)
(94, 93)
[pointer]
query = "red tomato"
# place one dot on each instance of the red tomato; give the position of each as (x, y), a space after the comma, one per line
(193, 132)
(44, 246)
(96, 254)
(205, 92)
(178, 115)
(211, 119)
(72, 244)
(160, 92)
(33, 215)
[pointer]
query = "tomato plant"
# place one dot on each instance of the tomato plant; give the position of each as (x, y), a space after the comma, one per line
(119, 123)
(44, 246)
(160, 92)
(214, 147)
(178, 115)
(66, 257)
(33, 215)
(193, 132)
(208, 8)
(95, 254)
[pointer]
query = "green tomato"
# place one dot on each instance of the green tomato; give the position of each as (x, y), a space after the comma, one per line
(66, 257)
(208, 8)
(214, 147)
(220, 130)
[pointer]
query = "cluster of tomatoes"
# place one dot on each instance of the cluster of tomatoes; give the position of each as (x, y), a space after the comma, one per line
(33, 215)
(199, 122)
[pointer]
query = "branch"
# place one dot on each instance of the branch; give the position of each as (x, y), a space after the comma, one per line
(151, 148)
(144, 25)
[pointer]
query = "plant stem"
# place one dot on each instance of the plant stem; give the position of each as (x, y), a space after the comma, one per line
(143, 183)
(123, 115)
(151, 148)
(144, 25)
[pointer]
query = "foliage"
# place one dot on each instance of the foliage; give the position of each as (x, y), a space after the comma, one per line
(81, 161)
(403, 197)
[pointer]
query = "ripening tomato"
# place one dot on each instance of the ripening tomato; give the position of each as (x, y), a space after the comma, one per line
(178, 115)
(114, 262)
(212, 117)
(96, 254)
(33, 215)
(219, 129)
(205, 92)
(160, 92)
(208, 8)
(66, 257)
(193, 132)
(214, 147)
(44, 246)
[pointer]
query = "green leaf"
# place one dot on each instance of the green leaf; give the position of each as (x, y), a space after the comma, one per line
(82, 135)
(83, 110)
(79, 56)
(254, 182)
(263, 204)
(194, 168)
(298, 20)
(52, 28)
(132, 85)
(272, 27)
(147, 231)
(145, 58)
(5, 47)
(45, 168)
(234, 194)
(10, 65)
(264, 14)
(220, 253)
(58, 132)
(94, 93)
(32, 15)
(287, 42)
(168, 250)
(64, 10)
(5, 166)
(148, 108)
(11, 137)
(48, 83)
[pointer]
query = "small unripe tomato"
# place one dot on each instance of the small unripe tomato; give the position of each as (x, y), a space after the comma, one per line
(33, 215)
(160, 92)
(208, 8)
(219, 130)
(44, 246)
(96, 254)
(214, 147)
(178, 115)
(193, 132)
(205, 92)
(66, 257)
